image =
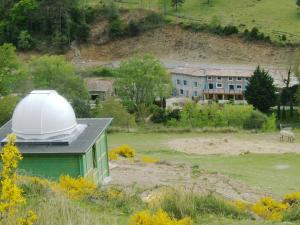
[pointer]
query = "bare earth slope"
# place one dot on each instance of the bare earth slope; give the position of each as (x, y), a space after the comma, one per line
(174, 43)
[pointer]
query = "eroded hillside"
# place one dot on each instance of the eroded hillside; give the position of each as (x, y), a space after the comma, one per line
(174, 43)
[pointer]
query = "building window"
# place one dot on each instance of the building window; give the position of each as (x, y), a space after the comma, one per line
(239, 86)
(195, 84)
(181, 91)
(219, 85)
(231, 87)
(187, 93)
(230, 78)
(195, 93)
(219, 78)
(178, 82)
(209, 78)
(210, 86)
(184, 82)
(239, 78)
(247, 78)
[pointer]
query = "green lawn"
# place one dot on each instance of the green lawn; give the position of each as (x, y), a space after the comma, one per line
(268, 15)
(258, 170)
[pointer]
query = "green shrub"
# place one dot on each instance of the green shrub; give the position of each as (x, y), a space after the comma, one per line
(133, 28)
(159, 114)
(111, 11)
(7, 106)
(60, 42)
(214, 115)
(255, 120)
(292, 214)
(91, 13)
(255, 35)
(103, 72)
(113, 108)
(25, 41)
(230, 29)
(82, 32)
(154, 19)
(116, 29)
(283, 37)
(180, 204)
(270, 124)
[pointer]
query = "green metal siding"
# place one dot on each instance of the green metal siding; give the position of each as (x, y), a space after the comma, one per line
(101, 168)
(86, 165)
(51, 166)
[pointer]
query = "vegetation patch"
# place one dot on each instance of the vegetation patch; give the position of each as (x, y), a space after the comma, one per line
(123, 150)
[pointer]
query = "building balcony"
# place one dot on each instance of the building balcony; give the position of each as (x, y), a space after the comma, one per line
(223, 91)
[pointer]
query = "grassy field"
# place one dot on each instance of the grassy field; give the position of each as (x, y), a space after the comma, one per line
(263, 171)
(270, 16)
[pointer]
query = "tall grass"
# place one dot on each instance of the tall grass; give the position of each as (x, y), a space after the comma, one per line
(186, 203)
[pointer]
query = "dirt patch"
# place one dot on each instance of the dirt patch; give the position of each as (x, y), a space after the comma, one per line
(232, 145)
(150, 176)
(174, 43)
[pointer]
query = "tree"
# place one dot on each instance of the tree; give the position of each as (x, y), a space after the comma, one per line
(177, 3)
(141, 80)
(114, 109)
(260, 92)
(54, 72)
(298, 2)
(288, 94)
(7, 106)
(59, 21)
(11, 73)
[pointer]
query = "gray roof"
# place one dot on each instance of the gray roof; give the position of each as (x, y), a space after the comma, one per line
(95, 84)
(278, 74)
(95, 127)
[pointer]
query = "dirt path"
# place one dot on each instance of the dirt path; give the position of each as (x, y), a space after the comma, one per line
(233, 145)
(151, 176)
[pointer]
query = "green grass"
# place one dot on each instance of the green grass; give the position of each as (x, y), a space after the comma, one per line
(257, 170)
(267, 15)
(53, 207)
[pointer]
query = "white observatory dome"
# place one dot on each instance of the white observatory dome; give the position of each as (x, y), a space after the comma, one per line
(43, 115)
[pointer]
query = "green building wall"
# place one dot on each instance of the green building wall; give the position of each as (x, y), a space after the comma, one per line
(93, 164)
(51, 166)
(95, 161)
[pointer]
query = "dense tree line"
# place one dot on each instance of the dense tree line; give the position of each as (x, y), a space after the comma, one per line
(58, 21)
(46, 72)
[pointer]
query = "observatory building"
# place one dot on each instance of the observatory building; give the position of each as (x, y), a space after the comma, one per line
(53, 142)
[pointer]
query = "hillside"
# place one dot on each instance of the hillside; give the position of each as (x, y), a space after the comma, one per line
(175, 43)
(273, 17)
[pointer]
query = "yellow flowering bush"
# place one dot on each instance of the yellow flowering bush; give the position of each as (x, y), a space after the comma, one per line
(242, 206)
(149, 159)
(269, 208)
(113, 155)
(112, 193)
(292, 198)
(76, 188)
(159, 218)
(123, 150)
(10, 194)
(30, 219)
